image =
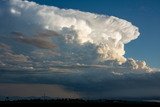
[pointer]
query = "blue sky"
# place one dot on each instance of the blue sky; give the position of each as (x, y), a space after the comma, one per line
(145, 14)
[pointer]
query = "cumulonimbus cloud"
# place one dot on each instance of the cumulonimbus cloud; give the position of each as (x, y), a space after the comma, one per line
(82, 51)
(81, 37)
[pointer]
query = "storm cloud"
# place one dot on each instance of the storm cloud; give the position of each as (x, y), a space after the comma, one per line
(81, 51)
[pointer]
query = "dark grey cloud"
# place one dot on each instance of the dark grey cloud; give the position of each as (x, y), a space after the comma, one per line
(92, 82)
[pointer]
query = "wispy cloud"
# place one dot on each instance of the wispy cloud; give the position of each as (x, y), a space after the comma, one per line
(10, 59)
(4, 47)
(41, 40)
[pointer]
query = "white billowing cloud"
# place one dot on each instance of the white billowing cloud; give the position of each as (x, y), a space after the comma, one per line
(136, 65)
(107, 33)
(46, 33)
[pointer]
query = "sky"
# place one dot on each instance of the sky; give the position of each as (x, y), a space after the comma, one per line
(145, 14)
(85, 49)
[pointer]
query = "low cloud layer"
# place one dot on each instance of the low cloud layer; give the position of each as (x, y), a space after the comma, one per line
(91, 82)
(82, 51)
